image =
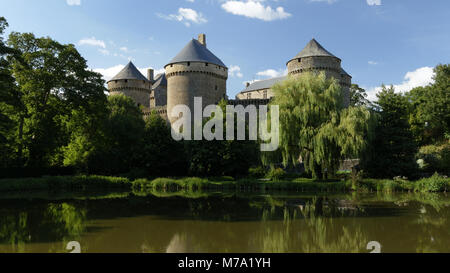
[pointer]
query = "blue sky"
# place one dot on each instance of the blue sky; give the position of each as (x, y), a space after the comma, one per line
(379, 41)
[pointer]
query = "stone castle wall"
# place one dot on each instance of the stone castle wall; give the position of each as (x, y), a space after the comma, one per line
(194, 79)
(257, 94)
(158, 97)
(138, 90)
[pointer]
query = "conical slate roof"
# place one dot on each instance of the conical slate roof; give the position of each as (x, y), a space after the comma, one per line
(129, 72)
(312, 49)
(160, 80)
(194, 51)
(344, 72)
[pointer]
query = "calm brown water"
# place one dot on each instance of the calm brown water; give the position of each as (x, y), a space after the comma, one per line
(221, 223)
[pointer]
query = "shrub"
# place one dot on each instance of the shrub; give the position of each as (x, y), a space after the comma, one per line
(436, 183)
(435, 158)
(276, 174)
(258, 172)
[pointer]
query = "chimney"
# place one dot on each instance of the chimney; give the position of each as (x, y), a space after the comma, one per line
(150, 76)
(202, 39)
(247, 84)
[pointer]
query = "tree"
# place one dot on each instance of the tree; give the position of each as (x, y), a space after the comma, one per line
(358, 96)
(7, 101)
(222, 157)
(315, 126)
(121, 139)
(392, 150)
(53, 82)
(160, 154)
(430, 108)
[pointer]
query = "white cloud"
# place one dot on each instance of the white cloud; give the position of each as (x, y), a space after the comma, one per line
(124, 49)
(374, 2)
(420, 77)
(73, 2)
(272, 73)
(268, 74)
(110, 72)
(186, 16)
(235, 71)
(92, 42)
(254, 9)
(190, 1)
(372, 63)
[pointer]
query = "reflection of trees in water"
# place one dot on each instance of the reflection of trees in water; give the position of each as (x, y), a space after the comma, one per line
(234, 223)
(50, 223)
(310, 227)
(14, 231)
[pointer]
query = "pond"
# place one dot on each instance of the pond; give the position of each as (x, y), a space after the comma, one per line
(224, 222)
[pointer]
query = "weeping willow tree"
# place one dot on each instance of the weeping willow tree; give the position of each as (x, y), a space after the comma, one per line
(315, 126)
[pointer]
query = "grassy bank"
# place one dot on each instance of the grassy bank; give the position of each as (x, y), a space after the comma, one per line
(72, 183)
(67, 183)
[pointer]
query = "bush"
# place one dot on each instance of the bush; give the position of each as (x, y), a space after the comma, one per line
(436, 183)
(276, 174)
(435, 158)
(258, 172)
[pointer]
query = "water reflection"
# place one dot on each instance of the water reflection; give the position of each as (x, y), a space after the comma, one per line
(227, 223)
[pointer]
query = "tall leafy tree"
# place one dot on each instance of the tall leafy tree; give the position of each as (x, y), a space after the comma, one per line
(392, 150)
(160, 155)
(358, 96)
(53, 81)
(123, 135)
(222, 157)
(8, 101)
(430, 108)
(315, 126)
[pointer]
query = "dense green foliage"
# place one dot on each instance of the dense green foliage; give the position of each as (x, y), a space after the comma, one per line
(160, 155)
(429, 114)
(54, 85)
(392, 150)
(315, 126)
(8, 99)
(221, 157)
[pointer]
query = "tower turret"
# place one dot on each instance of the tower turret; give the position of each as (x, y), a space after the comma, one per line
(195, 72)
(315, 58)
(130, 82)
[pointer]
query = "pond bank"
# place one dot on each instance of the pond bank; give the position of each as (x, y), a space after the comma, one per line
(69, 183)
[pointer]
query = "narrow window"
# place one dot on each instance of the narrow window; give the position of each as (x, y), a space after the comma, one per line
(216, 87)
(189, 63)
(206, 64)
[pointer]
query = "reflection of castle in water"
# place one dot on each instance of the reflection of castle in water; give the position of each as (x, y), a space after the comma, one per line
(196, 72)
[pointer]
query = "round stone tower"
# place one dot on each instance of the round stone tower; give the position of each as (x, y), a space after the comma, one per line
(133, 84)
(315, 58)
(195, 72)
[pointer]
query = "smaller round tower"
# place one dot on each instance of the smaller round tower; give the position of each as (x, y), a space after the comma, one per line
(315, 58)
(131, 83)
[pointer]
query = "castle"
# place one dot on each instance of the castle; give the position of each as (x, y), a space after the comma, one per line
(197, 72)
